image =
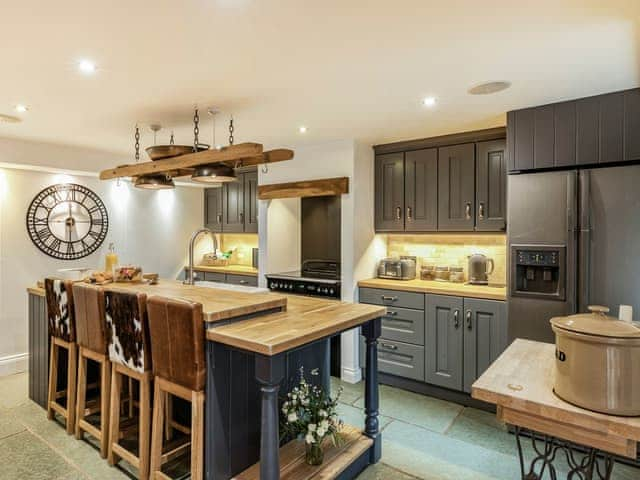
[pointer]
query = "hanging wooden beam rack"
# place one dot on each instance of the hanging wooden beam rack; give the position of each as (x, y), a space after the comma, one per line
(242, 154)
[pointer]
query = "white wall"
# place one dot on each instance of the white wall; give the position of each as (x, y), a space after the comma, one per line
(280, 241)
(148, 228)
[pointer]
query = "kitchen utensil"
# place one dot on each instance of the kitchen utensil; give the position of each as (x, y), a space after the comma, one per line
(426, 272)
(456, 274)
(479, 269)
(403, 268)
(442, 274)
(595, 360)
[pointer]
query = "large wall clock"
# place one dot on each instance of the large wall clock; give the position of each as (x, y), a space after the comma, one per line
(67, 221)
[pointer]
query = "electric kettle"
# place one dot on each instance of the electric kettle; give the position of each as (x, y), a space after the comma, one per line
(480, 267)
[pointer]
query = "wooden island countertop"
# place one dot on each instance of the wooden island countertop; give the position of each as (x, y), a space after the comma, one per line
(520, 382)
(305, 320)
(217, 304)
(440, 288)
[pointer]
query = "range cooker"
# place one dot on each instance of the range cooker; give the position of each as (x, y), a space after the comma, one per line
(318, 278)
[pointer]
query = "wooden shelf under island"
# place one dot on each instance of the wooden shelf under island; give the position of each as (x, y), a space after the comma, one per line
(256, 344)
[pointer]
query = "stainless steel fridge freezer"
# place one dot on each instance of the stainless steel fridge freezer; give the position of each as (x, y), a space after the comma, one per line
(579, 229)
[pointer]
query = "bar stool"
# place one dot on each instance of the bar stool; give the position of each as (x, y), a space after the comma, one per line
(177, 348)
(92, 345)
(128, 343)
(62, 330)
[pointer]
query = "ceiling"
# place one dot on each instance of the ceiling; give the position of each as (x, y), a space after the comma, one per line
(344, 69)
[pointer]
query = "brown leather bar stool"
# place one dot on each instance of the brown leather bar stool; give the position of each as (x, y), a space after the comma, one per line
(177, 347)
(62, 331)
(128, 343)
(92, 345)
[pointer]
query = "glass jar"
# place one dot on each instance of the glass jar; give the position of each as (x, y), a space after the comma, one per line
(441, 274)
(456, 274)
(426, 272)
(314, 455)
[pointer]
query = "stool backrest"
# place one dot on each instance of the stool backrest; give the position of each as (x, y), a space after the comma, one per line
(60, 313)
(127, 330)
(177, 341)
(88, 301)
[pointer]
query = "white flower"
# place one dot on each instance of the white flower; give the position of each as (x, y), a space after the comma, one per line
(292, 417)
(294, 396)
(321, 431)
(312, 427)
(324, 424)
(309, 438)
(322, 413)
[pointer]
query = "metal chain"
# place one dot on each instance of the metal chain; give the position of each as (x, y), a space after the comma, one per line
(231, 131)
(137, 136)
(196, 129)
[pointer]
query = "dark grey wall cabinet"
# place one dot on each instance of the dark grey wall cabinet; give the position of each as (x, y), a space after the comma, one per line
(421, 190)
(588, 131)
(389, 188)
(444, 341)
(485, 337)
(491, 186)
(233, 208)
(456, 187)
(213, 209)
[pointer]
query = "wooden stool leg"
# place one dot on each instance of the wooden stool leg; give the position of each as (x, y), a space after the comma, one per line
(145, 425)
(53, 378)
(114, 413)
(72, 370)
(130, 390)
(157, 430)
(105, 400)
(168, 429)
(197, 435)
(82, 391)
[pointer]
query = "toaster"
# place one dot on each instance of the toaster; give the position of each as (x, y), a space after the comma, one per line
(403, 268)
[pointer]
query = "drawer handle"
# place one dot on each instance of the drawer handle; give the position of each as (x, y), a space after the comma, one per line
(243, 282)
(389, 299)
(469, 324)
(389, 346)
(391, 313)
(219, 218)
(456, 319)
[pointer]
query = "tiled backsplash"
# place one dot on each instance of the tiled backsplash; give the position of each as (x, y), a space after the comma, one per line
(452, 250)
(241, 244)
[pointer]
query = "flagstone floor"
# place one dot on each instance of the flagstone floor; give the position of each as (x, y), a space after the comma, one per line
(422, 438)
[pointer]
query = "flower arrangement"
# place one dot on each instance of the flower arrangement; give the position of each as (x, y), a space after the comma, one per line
(309, 413)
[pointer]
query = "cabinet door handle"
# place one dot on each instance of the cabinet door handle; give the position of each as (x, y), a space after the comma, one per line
(469, 324)
(241, 217)
(389, 346)
(398, 213)
(392, 313)
(389, 299)
(456, 319)
(409, 213)
(467, 211)
(243, 282)
(219, 218)
(481, 211)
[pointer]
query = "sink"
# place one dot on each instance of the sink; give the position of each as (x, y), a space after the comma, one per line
(230, 286)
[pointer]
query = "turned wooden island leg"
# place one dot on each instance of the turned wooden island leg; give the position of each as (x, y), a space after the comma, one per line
(270, 372)
(371, 332)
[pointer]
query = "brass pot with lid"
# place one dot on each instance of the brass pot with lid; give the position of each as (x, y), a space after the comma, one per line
(598, 362)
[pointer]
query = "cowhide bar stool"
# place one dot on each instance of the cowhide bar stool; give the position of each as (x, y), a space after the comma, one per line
(127, 331)
(62, 331)
(92, 345)
(177, 347)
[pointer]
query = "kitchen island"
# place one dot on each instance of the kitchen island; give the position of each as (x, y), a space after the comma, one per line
(256, 344)
(520, 382)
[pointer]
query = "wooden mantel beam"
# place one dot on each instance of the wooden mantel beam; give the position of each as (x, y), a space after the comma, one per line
(307, 188)
(245, 154)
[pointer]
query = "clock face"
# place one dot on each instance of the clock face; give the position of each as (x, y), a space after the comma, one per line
(67, 221)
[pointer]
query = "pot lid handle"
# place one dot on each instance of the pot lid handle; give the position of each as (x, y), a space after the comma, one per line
(599, 309)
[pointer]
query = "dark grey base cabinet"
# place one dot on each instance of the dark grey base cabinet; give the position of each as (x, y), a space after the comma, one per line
(460, 186)
(589, 131)
(441, 340)
(246, 280)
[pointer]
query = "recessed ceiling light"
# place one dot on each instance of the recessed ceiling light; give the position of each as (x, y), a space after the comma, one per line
(488, 88)
(20, 108)
(302, 129)
(87, 67)
(429, 101)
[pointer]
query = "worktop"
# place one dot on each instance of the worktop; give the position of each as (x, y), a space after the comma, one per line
(217, 304)
(305, 320)
(440, 288)
(520, 382)
(233, 269)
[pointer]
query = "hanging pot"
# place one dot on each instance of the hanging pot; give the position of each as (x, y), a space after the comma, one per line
(598, 362)
(158, 152)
